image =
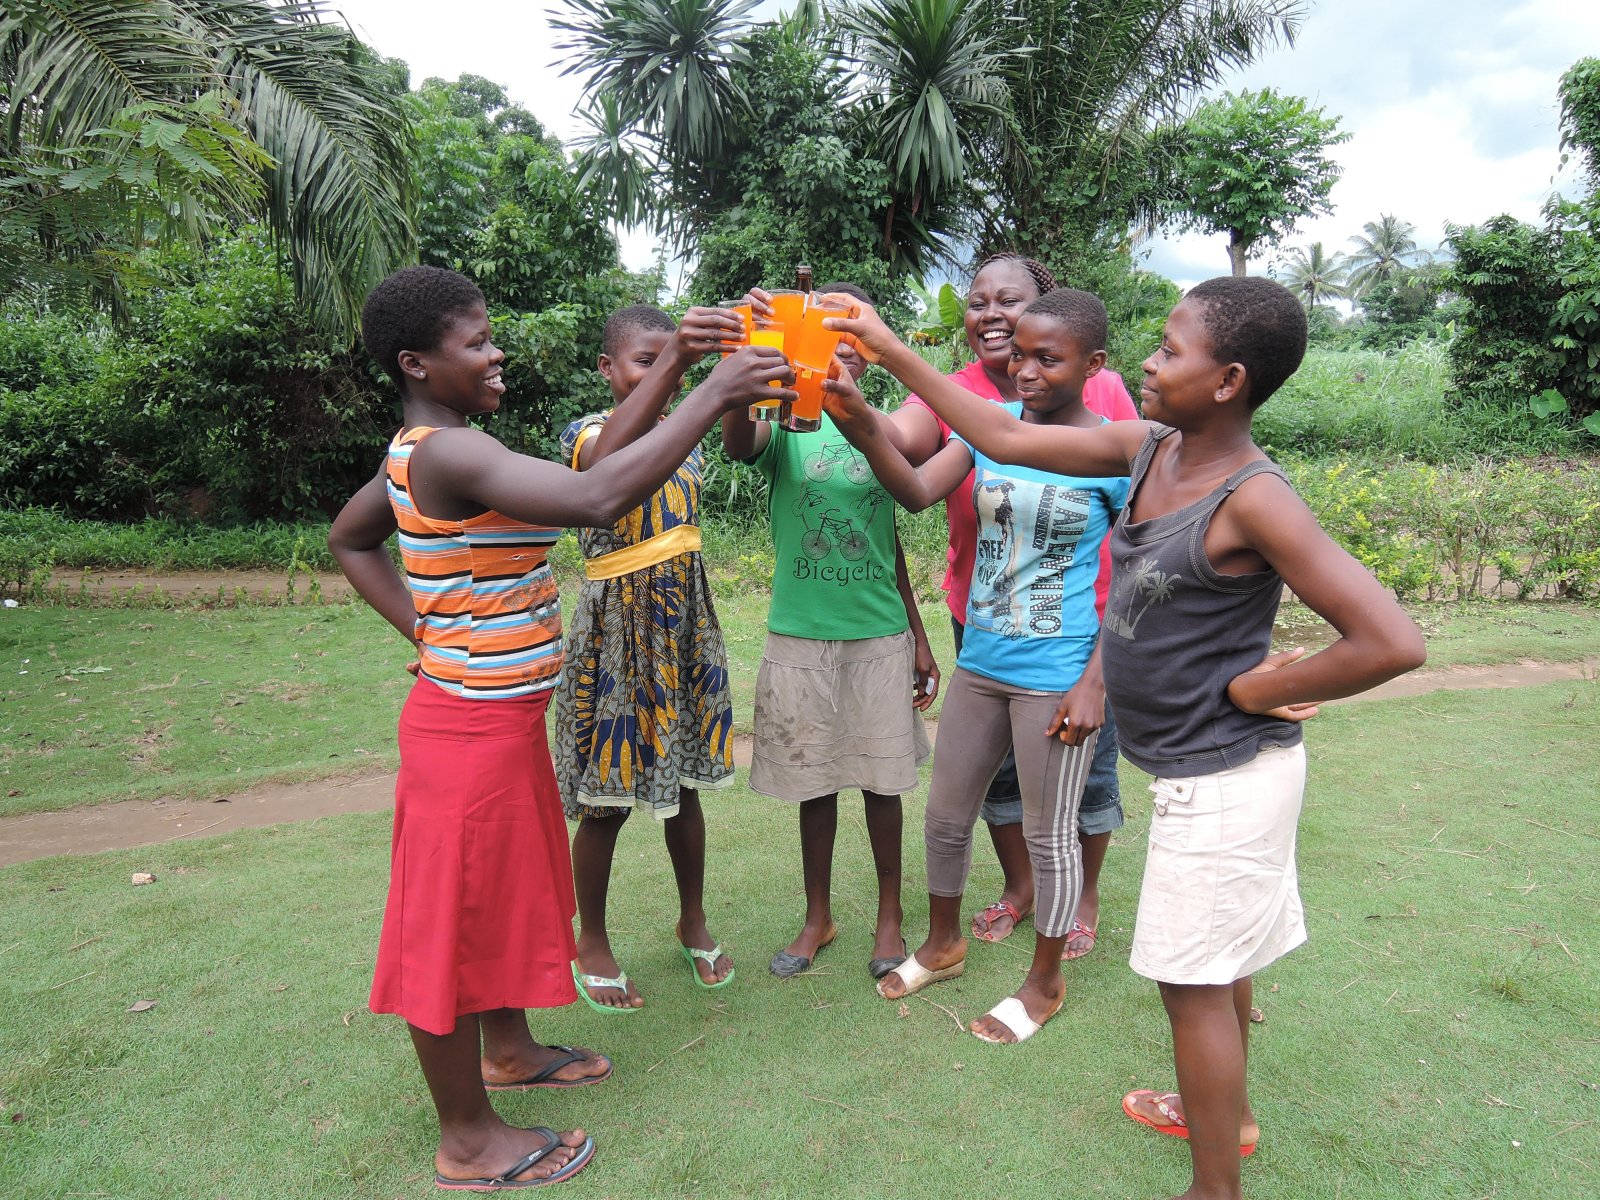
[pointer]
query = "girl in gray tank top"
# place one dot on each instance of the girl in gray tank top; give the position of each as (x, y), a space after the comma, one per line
(1172, 618)
(1211, 535)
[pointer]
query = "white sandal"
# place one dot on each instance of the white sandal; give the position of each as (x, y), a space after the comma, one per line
(915, 976)
(1013, 1014)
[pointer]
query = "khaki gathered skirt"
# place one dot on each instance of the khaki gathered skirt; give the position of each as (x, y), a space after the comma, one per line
(832, 715)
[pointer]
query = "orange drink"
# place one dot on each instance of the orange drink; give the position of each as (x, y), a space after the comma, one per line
(815, 347)
(788, 312)
(746, 317)
(812, 355)
(805, 414)
(766, 335)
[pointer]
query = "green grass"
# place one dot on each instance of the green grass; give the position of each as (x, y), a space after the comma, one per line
(1442, 1013)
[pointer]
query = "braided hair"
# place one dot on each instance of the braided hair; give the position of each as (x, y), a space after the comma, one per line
(1037, 271)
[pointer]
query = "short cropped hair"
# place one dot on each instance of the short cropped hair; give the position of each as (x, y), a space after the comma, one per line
(410, 310)
(1037, 271)
(1254, 322)
(635, 319)
(849, 289)
(1081, 312)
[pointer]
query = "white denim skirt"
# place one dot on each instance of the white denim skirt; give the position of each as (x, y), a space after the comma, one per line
(1221, 896)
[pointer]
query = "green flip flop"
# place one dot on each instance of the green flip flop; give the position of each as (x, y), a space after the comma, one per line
(585, 982)
(709, 957)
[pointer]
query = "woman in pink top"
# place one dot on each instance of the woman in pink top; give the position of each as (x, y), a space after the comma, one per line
(1005, 284)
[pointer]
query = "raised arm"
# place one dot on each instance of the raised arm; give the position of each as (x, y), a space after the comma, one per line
(473, 467)
(1106, 450)
(913, 488)
(1377, 641)
(700, 332)
(358, 542)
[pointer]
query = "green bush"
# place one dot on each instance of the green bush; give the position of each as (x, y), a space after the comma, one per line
(1472, 532)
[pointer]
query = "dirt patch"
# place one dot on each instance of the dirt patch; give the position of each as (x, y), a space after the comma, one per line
(91, 829)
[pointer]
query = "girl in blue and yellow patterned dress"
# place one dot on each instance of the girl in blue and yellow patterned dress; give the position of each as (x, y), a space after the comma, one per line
(644, 716)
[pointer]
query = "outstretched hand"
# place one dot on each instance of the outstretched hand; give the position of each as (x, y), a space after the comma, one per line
(1274, 662)
(707, 330)
(753, 374)
(865, 331)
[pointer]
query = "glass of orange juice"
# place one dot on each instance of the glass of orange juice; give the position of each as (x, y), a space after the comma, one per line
(788, 312)
(746, 315)
(812, 356)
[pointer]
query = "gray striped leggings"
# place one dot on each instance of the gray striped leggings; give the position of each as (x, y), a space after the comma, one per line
(980, 720)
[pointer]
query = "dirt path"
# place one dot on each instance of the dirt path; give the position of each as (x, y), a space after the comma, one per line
(185, 587)
(93, 828)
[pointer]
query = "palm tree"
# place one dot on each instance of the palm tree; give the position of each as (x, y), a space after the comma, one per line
(221, 110)
(669, 66)
(1316, 275)
(1095, 86)
(1382, 247)
(934, 89)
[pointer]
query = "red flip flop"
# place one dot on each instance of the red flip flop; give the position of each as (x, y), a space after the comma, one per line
(1000, 908)
(1078, 930)
(1160, 1102)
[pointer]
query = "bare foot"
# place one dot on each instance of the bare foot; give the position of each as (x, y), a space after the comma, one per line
(1042, 1000)
(934, 957)
(601, 963)
(696, 936)
(1149, 1106)
(995, 923)
(510, 1072)
(503, 1151)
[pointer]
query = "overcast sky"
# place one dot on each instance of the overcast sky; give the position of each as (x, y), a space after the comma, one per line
(1451, 104)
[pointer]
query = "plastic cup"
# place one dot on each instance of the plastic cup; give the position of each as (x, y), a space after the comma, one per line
(746, 317)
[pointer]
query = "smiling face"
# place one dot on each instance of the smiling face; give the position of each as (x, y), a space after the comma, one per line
(1183, 378)
(635, 355)
(1048, 368)
(995, 302)
(463, 371)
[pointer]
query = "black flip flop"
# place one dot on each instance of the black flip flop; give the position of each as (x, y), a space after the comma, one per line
(581, 1158)
(879, 967)
(545, 1077)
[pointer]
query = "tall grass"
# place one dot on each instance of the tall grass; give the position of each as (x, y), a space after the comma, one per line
(1400, 404)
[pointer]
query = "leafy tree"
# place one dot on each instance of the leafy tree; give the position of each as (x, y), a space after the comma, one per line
(1504, 270)
(1253, 165)
(1316, 275)
(1381, 248)
(935, 93)
(1404, 306)
(1579, 92)
(1097, 87)
(132, 121)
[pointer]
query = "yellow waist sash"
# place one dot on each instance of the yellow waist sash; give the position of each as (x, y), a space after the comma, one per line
(680, 539)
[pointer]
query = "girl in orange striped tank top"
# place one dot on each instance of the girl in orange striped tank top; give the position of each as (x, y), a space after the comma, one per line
(478, 925)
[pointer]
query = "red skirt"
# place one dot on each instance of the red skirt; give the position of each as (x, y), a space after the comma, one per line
(480, 885)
